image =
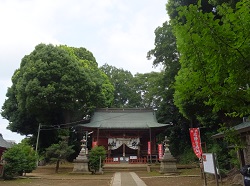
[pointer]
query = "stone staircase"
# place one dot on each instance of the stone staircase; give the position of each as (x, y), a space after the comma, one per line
(125, 167)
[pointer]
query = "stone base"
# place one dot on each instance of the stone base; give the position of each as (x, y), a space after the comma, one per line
(99, 172)
(81, 167)
(168, 166)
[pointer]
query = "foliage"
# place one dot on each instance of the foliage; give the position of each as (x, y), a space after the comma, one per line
(140, 90)
(124, 93)
(232, 137)
(173, 5)
(20, 158)
(226, 160)
(188, 156)
(214, 55)
(54, 85)
(166, 54)
(149, 88)
(59, 152)
(94, 157)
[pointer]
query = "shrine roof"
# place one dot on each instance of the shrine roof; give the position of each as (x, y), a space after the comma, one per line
(241, 128)
(124, 119)
(4, 143)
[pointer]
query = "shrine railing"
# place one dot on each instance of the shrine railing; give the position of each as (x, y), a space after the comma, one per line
(138, 160)
(112, 160)
(130, 161)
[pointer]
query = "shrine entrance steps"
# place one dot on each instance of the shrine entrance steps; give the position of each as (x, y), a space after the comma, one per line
(125, 167)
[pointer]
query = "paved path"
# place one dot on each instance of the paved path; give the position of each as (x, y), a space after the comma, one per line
(127, 179)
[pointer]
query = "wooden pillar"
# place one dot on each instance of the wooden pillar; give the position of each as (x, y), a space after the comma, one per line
(150, 139)
(138, 151)
(97, 137)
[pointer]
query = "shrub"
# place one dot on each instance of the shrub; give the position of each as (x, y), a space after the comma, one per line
(94, 158)
(20, 158)
(188, 157)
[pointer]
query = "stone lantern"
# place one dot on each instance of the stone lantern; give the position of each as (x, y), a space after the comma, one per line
(168, 162)
(81, 161)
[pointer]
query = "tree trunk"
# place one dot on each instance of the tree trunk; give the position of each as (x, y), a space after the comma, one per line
(57, 165)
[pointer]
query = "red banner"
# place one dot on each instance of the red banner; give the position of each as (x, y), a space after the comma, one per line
(160, 151)
(196, 141)
(149, 147)
(94, 143)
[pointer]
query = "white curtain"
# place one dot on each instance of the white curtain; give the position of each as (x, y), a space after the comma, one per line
(115, 143)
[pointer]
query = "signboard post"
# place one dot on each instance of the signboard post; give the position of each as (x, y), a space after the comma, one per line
(209, 164)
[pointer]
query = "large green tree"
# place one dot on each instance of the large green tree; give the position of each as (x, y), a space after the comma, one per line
(148, 87)
(124, 94)
(165, 53)
(214, 58)
(55, 85)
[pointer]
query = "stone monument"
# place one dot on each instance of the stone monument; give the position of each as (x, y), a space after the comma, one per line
(81, 161)
(168, 162)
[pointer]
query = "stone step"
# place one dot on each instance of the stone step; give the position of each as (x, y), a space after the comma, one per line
(124, 167)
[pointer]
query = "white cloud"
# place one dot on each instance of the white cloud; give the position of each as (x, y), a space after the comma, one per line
(118, 32)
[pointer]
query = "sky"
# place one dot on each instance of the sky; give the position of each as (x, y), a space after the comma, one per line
(117, 32)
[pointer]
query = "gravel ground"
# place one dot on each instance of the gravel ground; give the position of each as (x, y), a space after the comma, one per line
(46, 176)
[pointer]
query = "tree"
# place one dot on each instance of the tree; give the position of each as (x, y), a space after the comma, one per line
(20, 158)
(166, 54)
(54, 85)
(149, 87)
(173, 5)
(94, 157)
(124, 93)
(59, 152)
(214, 58)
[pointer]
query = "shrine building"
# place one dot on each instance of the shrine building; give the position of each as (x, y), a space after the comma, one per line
(127, 134)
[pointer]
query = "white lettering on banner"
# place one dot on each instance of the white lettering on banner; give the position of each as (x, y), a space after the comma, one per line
(195, 139)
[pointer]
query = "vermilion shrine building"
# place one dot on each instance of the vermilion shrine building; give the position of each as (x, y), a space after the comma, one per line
(127, 134)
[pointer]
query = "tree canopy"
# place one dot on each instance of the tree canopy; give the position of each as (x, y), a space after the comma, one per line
(55, 85)
(214, 58)
(122, 80)
(139, 90)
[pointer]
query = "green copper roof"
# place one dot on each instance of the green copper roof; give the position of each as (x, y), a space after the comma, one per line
(123, 119)
(243, 127)
(4, 143)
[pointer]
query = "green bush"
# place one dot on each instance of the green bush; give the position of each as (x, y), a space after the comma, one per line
(94, 158)
(188, 157)
(20, 158)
